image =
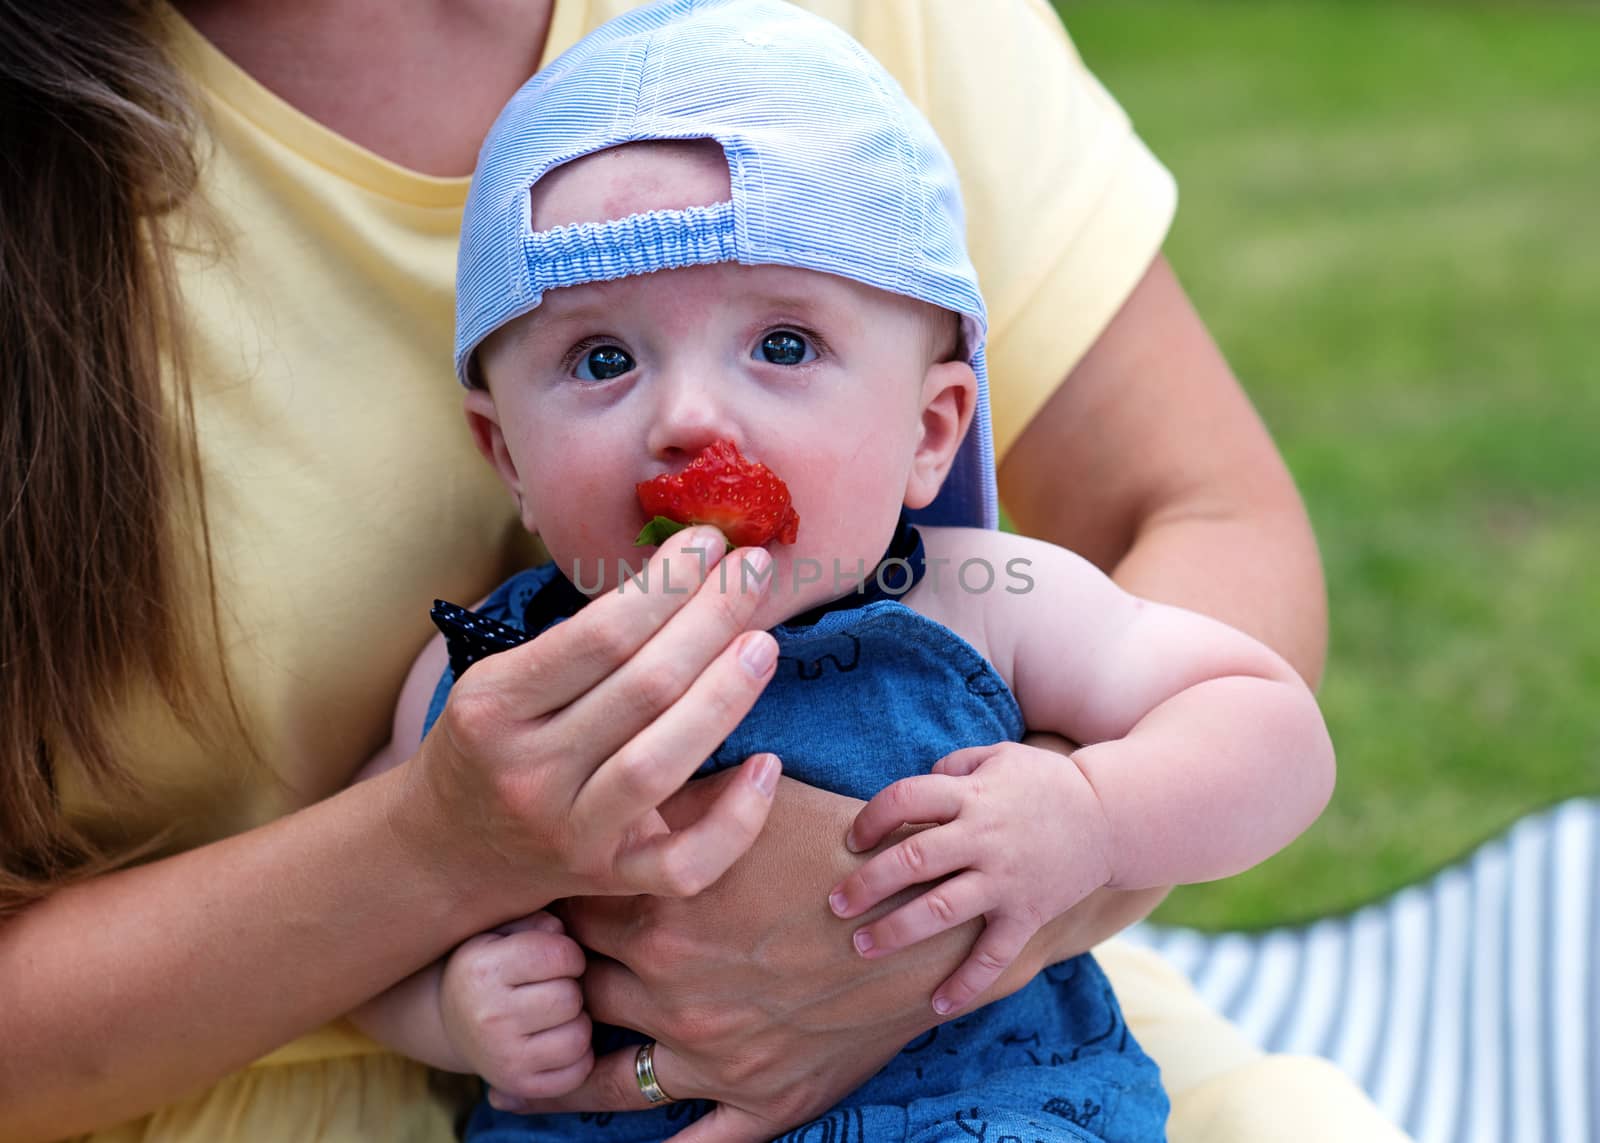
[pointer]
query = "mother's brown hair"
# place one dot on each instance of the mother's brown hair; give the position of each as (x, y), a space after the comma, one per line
(97, 447)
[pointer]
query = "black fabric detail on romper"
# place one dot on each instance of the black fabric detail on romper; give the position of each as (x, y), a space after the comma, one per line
(469, 636)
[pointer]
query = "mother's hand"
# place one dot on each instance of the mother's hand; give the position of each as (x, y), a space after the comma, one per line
(753, 990)
(544, 774)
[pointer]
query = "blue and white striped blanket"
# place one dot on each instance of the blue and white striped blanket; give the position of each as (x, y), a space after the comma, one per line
(1468, 1006)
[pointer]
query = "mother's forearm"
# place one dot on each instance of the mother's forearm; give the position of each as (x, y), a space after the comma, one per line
(1256, 571)
(762, 941)
(1099, 916)
(139, 987)
(1176, 488)
(764, 938)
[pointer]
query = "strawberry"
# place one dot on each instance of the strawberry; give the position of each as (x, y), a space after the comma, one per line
(744, 498)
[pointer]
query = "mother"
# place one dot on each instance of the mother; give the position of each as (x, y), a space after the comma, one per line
(231, 486)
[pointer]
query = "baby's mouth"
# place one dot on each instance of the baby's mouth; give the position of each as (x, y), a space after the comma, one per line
(744, 498)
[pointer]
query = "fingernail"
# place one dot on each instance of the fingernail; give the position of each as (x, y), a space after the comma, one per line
(863, 941)
(851, 843)
(707, 539)
(759, 652)
(756, 563)
(837, 902)
(942, 1005)
(767, 774)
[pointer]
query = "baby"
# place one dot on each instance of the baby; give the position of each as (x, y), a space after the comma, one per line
(718, 237)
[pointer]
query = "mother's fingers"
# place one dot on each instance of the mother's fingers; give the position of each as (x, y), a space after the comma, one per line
(613, 994)
(727, 1124)
(613, 1084)
(571, 658)
(664, 754)
(666, 666)
(685, 861)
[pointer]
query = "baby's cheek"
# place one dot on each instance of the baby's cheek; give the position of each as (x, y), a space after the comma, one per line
(594, 550)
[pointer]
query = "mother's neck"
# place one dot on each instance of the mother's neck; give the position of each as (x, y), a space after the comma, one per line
(418, 82)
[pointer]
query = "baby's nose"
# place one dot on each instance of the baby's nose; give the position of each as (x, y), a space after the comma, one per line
(691, 414)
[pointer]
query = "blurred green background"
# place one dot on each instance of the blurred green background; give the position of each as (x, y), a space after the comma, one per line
(1390, 218)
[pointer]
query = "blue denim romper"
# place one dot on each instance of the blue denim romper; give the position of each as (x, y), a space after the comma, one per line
(864, 695)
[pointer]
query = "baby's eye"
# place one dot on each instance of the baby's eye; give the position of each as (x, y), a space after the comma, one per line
(602, 363)
(785, 347)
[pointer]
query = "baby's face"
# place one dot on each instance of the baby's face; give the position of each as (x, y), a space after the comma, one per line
(605, 385)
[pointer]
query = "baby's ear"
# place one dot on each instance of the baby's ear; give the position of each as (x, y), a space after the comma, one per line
(949, 396)
(484, 421)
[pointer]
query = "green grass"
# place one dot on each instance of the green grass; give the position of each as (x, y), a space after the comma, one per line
(1390, 218)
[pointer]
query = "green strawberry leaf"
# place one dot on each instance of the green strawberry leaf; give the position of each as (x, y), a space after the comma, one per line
(657, 531)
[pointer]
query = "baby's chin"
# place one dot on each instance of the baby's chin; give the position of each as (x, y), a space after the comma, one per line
(791, 586)
(630, 570)
(794, 591)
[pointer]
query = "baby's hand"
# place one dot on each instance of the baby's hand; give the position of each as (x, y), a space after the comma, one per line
(512, 1008)
(1020, 828)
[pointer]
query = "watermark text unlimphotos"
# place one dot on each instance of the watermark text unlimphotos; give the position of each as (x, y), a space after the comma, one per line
(892, 577)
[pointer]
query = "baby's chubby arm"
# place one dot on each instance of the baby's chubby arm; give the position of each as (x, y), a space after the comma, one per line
(1203, 753)
(1206, 751)
(505, 1004)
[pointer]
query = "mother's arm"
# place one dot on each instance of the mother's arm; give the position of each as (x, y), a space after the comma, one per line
(1148, 459)
(142, 986)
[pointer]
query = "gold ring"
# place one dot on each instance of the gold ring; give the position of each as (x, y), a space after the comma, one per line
(644, 1070)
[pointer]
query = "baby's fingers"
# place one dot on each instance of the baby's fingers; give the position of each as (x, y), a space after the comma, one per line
(952, 903)
(963, 762)
(924, 856)
(1002, 942)
(519, 1092)
(925, 798)
(540, 922)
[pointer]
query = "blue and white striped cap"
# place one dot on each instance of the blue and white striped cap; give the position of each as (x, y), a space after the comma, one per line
(832, 169)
